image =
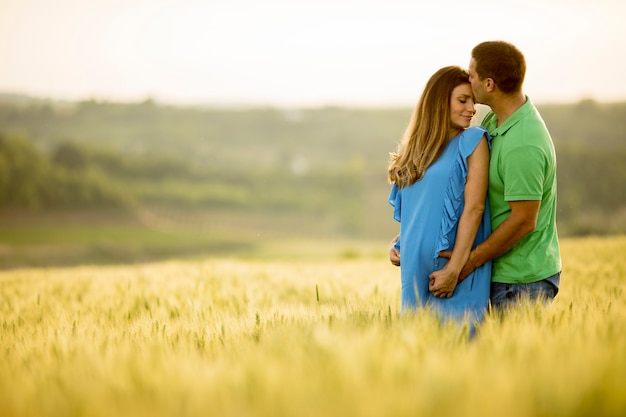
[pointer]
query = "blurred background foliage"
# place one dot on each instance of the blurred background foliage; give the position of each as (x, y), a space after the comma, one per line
(237, 174)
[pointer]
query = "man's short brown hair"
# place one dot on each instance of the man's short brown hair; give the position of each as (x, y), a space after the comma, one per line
(502, 62)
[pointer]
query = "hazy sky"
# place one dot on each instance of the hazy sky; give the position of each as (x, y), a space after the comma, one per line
(300, 52)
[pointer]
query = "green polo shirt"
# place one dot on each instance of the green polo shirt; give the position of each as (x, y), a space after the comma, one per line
(523, 167)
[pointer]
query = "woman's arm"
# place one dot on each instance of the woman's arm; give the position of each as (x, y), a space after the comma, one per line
(443, 282)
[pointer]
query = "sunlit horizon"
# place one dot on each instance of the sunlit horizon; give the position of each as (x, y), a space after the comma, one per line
(298, 53)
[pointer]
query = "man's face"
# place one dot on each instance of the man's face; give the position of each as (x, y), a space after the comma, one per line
(477, 85)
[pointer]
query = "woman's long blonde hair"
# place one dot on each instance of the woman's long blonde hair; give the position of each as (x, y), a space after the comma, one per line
(427, 134)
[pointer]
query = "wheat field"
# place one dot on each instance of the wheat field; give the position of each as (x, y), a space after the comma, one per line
(319, 337)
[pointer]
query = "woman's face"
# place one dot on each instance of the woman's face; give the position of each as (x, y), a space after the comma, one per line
(462, 107)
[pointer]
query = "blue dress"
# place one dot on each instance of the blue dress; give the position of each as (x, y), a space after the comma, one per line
(429, 211)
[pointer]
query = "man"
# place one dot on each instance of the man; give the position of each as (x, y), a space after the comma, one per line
(524, 243)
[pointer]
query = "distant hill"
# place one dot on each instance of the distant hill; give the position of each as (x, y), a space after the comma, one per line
(313, 161)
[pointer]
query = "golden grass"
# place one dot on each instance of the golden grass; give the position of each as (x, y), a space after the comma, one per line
(304, 338)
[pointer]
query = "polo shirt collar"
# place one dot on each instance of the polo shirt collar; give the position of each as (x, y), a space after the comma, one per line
(519, 114)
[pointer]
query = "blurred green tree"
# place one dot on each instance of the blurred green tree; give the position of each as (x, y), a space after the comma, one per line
(69, 156)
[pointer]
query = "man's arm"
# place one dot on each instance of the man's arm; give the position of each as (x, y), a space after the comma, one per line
(521, 221)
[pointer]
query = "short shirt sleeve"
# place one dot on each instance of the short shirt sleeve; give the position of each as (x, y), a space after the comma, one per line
(524, 174)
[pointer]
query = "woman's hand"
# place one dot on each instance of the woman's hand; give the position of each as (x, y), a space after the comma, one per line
(443, 282)
(394, 254)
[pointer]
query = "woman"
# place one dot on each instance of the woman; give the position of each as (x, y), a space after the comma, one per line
(439, 179)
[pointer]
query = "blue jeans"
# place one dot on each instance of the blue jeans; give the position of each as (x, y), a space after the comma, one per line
(505, 295)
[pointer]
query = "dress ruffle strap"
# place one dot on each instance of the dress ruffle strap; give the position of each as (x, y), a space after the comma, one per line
(454, 196)
(395, 199)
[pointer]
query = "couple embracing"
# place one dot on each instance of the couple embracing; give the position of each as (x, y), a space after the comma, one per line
(476, 205)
